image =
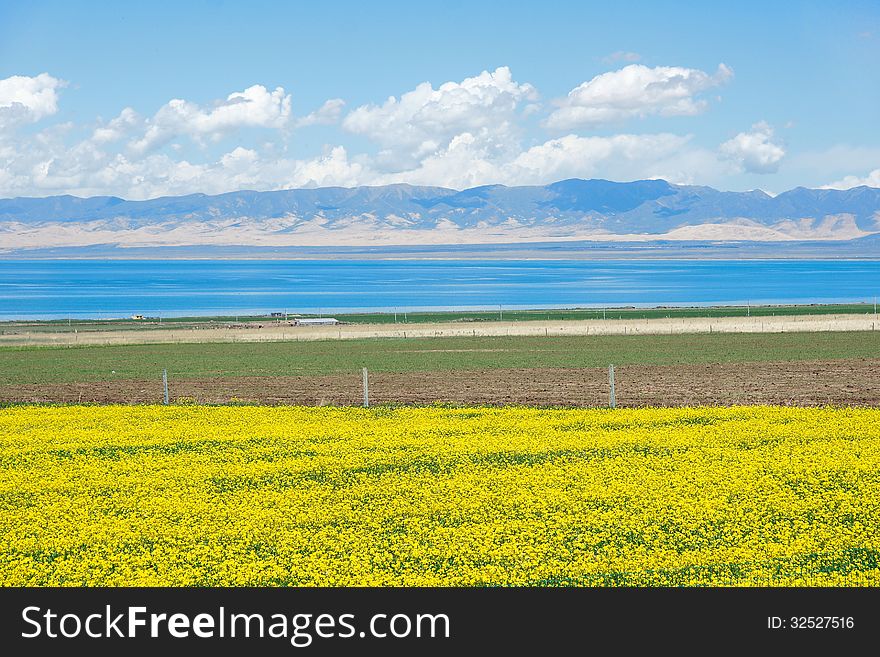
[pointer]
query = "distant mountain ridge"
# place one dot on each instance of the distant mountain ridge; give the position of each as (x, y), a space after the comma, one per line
(404, 214)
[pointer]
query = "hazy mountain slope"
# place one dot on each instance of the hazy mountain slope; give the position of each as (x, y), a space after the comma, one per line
(407, 214)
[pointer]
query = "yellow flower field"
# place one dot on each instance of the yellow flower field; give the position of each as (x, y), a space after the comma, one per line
(238, 495)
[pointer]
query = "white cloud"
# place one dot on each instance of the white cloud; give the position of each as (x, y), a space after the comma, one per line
(636, 91)
(328, 114)
(240, 158)
(460, 134)
(117, 128)
(26, 99)
(466, 162)
(333, 168)
(87, 168)
(425, 120)
(754, 151)
(256, 106)
(584, 157)
(848, 182)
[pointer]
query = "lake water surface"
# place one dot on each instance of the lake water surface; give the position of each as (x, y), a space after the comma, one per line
(42, 289)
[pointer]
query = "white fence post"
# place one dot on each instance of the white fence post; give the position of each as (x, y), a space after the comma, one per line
(366, 389)
(165, 384)
(613, 400)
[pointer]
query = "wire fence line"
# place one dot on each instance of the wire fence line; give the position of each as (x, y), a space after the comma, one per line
(845, 382)
(365, 378)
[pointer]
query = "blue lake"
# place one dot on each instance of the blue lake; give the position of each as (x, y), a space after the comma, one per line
(38, 289)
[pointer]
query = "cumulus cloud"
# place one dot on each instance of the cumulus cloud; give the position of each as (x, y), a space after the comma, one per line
(466, 162)
(332, 168)
(425, 120)
(588, 156)
(848, 182)
(117, 128)
(459, 134)
(256, 106)
(26, 99)
(636, 91)
(88, 168)
(754, 151)
(241, 168)
(328, 114)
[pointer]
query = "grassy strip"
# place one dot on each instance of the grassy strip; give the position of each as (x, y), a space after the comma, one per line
(36, 365)
(402, 317)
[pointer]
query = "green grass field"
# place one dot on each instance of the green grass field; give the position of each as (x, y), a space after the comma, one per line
(38, 365)
(603, 313)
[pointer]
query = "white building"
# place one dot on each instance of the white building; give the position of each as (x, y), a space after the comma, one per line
(317, 321)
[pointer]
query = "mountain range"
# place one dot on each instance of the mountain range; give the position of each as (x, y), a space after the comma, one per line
(401, 214)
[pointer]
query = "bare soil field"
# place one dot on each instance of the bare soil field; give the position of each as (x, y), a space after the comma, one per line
(848, 382)
(271, 333)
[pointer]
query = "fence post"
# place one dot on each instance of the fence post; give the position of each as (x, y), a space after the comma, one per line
(613, 400)
(366, 389)
(165, 385)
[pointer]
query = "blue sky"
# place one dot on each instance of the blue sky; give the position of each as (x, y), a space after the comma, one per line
(142, 100)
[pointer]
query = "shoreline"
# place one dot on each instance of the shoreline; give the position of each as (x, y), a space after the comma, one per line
(456, 314)
(441, 256)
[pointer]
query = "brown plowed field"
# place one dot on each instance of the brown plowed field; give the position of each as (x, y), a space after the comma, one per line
(842, 382)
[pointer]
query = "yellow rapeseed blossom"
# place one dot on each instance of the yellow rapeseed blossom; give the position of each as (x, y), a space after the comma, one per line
(198, 496)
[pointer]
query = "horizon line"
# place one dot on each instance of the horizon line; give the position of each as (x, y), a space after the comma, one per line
(439, 187)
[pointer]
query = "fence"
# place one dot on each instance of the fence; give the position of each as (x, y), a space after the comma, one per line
(850, 382)
(366, 387)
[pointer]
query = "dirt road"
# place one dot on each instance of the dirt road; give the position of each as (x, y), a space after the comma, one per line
(772, 324)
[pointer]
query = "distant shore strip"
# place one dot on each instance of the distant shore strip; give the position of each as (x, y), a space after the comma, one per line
(279, 332)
